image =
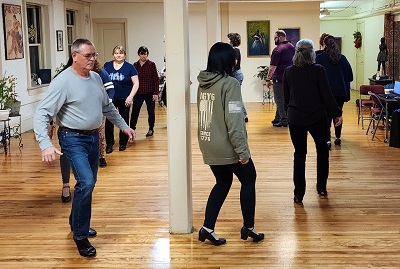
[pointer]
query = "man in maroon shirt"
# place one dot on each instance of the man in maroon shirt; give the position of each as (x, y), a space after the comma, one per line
(281, 57)
(148, 89)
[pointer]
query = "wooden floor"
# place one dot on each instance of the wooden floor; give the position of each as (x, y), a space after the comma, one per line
(357, 227)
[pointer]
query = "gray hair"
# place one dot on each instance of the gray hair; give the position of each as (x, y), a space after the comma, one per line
(304, 54)
(76, 45)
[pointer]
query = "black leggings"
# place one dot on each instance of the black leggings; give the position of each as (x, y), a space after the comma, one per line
(137, 105)
(246, 174)
(164, 95)
(109, 127)
(338, 129)
(298, 134)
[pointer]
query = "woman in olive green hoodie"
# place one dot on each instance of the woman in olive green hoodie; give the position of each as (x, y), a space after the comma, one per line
(223, 141)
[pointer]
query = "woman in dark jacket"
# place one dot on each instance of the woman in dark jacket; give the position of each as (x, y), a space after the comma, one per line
(340, 75)
(308, 100)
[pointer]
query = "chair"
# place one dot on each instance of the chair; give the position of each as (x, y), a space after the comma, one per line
(366, 104)
(378, 111)
(378, 89)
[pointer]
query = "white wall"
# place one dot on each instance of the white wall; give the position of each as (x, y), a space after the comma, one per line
(198, 50)
(285, 15)
(145, 26)
(149, 31)
(55, 20)
(374, 31)
(374, 27)
(344, 29)
(17, 67)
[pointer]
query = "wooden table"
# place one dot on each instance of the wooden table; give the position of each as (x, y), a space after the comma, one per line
(380, 81)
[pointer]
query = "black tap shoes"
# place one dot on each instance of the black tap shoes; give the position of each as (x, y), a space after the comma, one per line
(85, 248)
(246, 232)
(203, 235)
(150, 133)
(109, 149)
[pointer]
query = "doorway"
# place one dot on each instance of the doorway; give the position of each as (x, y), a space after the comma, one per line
(360, 58)
(108, 33)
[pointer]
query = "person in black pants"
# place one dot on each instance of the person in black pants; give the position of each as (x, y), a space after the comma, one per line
(308, 100)
(126, 83)
(148, 89)
(340, 75)
(223, 142)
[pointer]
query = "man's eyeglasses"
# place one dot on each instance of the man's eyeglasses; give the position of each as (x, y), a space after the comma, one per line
(89, 56)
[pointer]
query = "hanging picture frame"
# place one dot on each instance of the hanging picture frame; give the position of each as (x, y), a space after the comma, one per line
(258, 35)
(13, 39)
(60, 40)
(292, 34)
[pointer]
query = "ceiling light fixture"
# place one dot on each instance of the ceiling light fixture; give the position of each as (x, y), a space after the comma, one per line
(324, 12)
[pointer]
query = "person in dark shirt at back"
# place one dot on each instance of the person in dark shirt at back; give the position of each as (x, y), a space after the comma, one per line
(340, 75)
(148, 89)
(281, 58)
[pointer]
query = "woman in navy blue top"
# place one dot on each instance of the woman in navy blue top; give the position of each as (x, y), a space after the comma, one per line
(126, 83)
(340, 75)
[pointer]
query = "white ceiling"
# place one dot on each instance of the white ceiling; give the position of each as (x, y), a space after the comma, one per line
(343, 4)
(324, 4)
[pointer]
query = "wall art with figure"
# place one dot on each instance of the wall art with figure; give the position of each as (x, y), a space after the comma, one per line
(292, 34)
(13, 41)
(258, 36)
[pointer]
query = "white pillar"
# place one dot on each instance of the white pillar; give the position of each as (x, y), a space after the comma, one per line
(213, 25)
(178, 116)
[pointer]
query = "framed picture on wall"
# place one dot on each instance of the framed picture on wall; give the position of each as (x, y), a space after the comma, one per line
(60, 41)
(258, 35)
(13, 40)
(292, 34)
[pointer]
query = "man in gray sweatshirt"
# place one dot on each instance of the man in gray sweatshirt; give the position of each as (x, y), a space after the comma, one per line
(77, 99)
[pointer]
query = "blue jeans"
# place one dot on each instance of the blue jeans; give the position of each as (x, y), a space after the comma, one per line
(82, 152)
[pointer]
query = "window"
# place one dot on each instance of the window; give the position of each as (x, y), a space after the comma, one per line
(70, 29)
(37, 21)
(33, 14)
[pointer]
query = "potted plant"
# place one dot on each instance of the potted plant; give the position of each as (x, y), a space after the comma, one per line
(60, 68)
(262, 73)
(8, 96)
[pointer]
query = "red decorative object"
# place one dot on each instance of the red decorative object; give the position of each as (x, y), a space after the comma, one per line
(357, 39)
(357, 43)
